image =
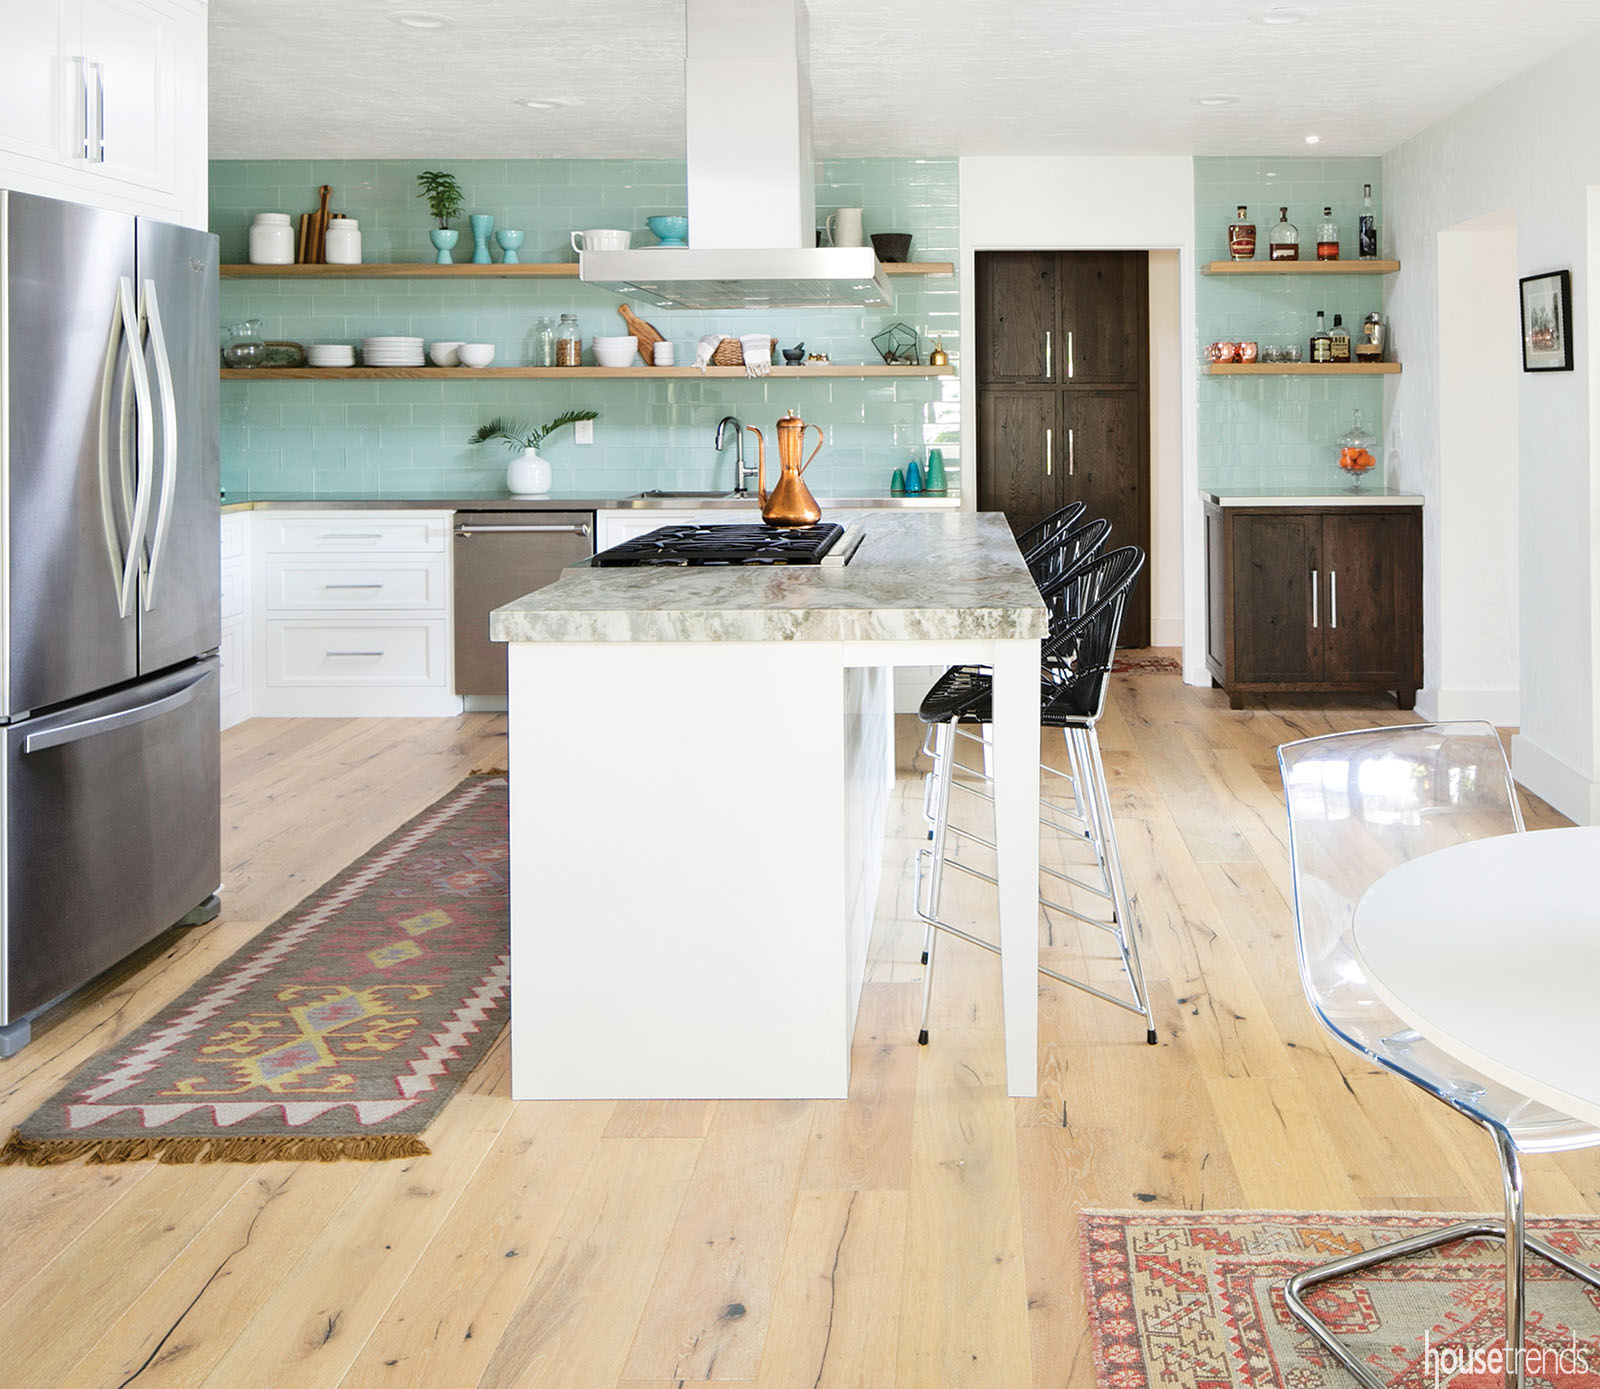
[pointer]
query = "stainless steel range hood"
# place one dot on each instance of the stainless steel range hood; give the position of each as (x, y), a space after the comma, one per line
(751, 179)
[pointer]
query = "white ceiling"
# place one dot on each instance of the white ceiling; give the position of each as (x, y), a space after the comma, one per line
(310, 78)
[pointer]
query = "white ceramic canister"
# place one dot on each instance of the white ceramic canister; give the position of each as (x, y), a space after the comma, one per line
(271, 239)
(844, 227)
(343, 243)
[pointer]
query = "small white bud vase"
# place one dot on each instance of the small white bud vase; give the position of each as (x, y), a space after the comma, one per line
(529, 475)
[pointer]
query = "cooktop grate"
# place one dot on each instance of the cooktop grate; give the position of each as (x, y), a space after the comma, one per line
(723, 545)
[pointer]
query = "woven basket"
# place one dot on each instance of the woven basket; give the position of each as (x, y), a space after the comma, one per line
(730, 354)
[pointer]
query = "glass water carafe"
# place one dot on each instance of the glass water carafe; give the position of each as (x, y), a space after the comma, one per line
(243, 345)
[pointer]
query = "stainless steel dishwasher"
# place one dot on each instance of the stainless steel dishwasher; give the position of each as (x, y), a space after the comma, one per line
(501, 555)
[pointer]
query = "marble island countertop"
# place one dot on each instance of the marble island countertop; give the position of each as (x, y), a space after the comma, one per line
(1308, 496)
(918, 575)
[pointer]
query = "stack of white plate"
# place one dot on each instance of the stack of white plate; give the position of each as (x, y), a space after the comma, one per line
(331, 354)
(391, 352)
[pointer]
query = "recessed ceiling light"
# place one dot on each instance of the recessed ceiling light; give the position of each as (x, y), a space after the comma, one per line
(1217, 100)
(1313, 139)
(418, 19)
(539, 103)
(1283, 14)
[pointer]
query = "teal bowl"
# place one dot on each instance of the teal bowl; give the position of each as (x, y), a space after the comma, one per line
(669, 231)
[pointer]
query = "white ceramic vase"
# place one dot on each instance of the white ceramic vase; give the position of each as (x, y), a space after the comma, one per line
(529, 475)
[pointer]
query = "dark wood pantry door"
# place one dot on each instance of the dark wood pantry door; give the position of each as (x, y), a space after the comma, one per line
(1064, 396)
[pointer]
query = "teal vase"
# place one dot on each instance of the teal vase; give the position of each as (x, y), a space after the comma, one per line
(936, 479)
(482, 224)
(913, 479)
(443, 239)
(897, 484)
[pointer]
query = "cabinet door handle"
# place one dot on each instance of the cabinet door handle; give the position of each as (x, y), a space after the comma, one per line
(369, 655)
(1072, 454)
(1314, 578)
(99, 155)
(1333, 598)
(1049, 375)
(1070, 366)
(331, 587)
(1049, 450)
(350, 535)
(83, 77)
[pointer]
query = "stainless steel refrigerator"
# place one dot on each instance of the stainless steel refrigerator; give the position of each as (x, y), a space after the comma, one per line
(109, 788)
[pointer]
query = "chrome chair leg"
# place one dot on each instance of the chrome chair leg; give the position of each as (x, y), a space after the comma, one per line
(944, 770)
(1512, 1230)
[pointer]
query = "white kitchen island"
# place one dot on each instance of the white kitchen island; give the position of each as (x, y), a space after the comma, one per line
(701, 762)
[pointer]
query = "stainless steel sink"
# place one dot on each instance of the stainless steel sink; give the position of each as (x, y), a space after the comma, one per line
(661, 497)
(685, 496)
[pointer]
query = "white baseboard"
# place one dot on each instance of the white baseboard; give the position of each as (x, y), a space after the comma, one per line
(1502, 708)
(1166, 631)
(1569, 791)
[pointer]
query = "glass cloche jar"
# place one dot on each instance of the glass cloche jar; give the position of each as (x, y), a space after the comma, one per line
(1356, 455)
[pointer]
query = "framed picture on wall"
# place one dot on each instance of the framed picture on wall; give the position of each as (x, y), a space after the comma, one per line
(1547, 321)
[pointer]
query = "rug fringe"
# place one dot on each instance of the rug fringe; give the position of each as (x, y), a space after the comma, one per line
(361, 1147)
(488, 771)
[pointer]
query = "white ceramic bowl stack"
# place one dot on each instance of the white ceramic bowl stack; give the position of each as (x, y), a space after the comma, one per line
(391, 352)
(475, 354)
(616, 352)
(331, 354)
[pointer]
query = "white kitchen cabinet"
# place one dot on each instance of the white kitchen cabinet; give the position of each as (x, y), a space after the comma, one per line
(236, 643)
(104, 102)
(352, 614)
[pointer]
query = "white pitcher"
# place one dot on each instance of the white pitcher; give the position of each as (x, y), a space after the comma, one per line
(844, 227)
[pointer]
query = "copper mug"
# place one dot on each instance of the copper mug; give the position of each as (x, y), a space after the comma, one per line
(790, 503)
(1222, 351)
(1248, 352)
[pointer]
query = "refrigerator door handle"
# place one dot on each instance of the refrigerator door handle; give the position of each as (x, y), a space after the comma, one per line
(149, 306)
(139, 521)
(123, 718)
(108, 513)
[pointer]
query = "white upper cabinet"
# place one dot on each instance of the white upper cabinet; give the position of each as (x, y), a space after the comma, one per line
(104, 102)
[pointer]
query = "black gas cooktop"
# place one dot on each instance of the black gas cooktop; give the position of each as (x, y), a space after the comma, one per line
(708, 545)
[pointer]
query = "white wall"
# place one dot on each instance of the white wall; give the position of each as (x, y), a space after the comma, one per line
(1064, 202)
(1167, 357)
(1532, 145)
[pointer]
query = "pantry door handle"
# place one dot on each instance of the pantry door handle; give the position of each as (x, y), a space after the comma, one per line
(1048, 374)
(1072, 454)
(1314, 579)
(99, 156)
(1049, 451)
(1333, 598)
(83, 75)
(1070, 366)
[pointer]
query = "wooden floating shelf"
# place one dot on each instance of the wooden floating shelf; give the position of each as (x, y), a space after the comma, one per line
(1290, 369)
(560, 373)
(1285, 267)
(528, 270)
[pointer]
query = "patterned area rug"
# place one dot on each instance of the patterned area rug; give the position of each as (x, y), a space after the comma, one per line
(1142, 665)
(1196, 1300)
(339, 1032)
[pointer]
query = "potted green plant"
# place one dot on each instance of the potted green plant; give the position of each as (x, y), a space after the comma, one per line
(445, 199)
(529, 475)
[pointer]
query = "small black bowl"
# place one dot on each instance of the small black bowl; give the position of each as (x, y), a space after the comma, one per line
(892, 247)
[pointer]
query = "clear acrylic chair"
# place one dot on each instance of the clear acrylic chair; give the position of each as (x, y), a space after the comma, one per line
(1086, 606)
(1360, 804)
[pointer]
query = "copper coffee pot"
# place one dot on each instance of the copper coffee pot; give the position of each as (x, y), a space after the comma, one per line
(790, 502)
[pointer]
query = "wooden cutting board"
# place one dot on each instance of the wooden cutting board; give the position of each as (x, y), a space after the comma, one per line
(648, 336)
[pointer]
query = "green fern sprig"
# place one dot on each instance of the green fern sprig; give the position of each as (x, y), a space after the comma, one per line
(516, 435)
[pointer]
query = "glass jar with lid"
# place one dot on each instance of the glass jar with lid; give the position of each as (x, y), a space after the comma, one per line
(569, 344)
(1356, 455)
(243, 345)
(542, 342)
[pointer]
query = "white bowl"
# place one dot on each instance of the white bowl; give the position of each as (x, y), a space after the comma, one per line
(444, 354)
(475, 354)
(616, 352)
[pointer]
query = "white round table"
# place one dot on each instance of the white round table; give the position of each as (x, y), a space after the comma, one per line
(1492, 949)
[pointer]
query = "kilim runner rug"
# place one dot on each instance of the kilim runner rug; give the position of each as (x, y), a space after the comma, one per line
(1196, 1299)
(339, 1032)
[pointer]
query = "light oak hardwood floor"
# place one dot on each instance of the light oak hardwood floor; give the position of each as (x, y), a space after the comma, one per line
(921, 1233)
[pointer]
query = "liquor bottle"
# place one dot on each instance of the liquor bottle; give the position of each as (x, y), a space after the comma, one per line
(1368, 234)
(1242, 238)
(1339, 342)
(1327, 236)
(1321, 343)
(1370, 346)
(1283, 241)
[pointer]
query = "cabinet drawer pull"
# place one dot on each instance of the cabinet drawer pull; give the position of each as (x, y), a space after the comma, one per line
(333, 586)
(99, 155)
(368, 655)
(1333, 598)
(1048, 375)
(1313, 599)
(1049, 450)
(351, 535)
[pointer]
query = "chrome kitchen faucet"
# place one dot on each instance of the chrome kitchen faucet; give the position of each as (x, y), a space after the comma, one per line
(741, 473)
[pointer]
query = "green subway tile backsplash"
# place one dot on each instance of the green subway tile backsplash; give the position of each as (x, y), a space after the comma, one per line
(1280, 430)
(384, 437)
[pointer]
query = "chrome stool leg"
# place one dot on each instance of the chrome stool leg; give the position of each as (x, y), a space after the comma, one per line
(944, 768)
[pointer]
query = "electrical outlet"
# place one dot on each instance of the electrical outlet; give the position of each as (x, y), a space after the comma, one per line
(583, 432)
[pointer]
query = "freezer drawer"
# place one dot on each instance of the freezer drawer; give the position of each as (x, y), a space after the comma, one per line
(111, 830)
